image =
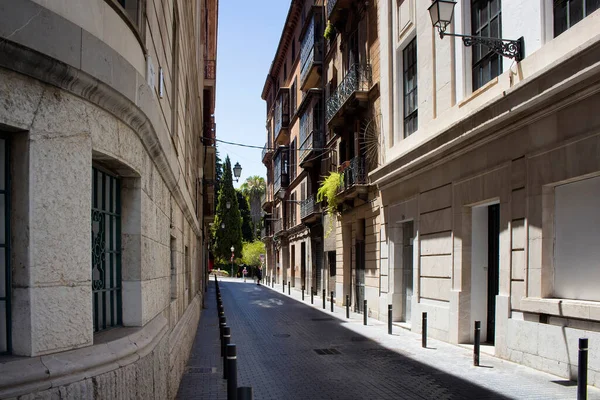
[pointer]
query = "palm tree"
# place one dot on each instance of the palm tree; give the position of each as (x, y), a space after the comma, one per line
(253, 189)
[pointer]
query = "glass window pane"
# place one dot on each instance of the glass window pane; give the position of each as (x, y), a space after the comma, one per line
(494, 6)
(2, 163)
(3, 327)
(495, 28)
(2, 272)
(483, 16)
(591, 6)
(575, 12)
(2, 219)
(560, 18)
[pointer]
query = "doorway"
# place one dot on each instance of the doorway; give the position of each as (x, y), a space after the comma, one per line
(407, 270)
(485, 269)
(293, 265)
(303, 264)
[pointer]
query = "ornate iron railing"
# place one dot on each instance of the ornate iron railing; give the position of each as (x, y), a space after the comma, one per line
(309, 206)
(311, 51)
(210, 69)
(354, 172)
(330, 6)
(358, 78)
(278, 226)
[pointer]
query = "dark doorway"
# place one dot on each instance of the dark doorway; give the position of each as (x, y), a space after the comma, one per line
(407, 270)
(493, 269)
(303, 264)
(332, 270)
(293, 265)
(360, 276)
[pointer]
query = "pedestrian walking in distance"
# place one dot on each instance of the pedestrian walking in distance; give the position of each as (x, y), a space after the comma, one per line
(259, 274)
(245, 272)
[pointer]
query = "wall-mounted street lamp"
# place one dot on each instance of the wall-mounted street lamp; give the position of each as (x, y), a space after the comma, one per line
(228, 205)
(232, 257)
(237, 171)
(222, 225)
(441, 13)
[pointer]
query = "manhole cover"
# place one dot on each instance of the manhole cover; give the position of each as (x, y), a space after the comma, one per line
(322, 319)
(358, 339)
(282, 335)
(201, 370)
(324, 352)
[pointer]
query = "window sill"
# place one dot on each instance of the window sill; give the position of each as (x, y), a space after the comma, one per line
(479, 92)
(580, 309)
(137, 31)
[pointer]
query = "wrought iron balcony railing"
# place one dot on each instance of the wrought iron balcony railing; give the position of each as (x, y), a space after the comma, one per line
(354, 172)
(278, 226)
(357, 79)
(314, 140)
(210, 69)
(311, 51)
(309, 206)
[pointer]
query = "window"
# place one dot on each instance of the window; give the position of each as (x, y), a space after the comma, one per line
(293, 159)
(569, 12)
(409, 63)
(284, 71)
(173, 249)
(293, 94)
(5, 272)
(132, 9)
(486, 21)
(293, 49)
(106, 250)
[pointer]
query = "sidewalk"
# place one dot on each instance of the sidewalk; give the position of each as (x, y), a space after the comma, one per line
(501, 376)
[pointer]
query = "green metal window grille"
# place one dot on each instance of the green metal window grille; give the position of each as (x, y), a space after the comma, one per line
(5, 270)
(569, 12)
(106, 250)
(409, 62)
(486, 21)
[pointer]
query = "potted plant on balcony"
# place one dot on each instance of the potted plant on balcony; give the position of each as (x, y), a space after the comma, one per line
(328, 191)
(329, 33)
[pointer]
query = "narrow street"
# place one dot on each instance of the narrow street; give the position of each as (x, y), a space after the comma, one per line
(277, 338)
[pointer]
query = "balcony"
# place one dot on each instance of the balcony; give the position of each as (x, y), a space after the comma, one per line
(310, 210)
(336, 9)
(281, 178)
(267, 154)
(282, 116)
(311, 137)
(210, 70)
(208, 203)
(267, 231)
(311, 53)
(355, 86)
(266, 201)
(278, 226)
(354, 178)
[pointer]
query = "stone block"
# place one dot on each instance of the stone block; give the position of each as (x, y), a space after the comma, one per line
(436, 266)
(19, 99)
(42, 30)
(518, 204)
(132, 303)
(518, 265)
(435, 288)
(61, 318)
(436, 199)
(518, 174)
(60, 172)
(436, 244)
(155, 261)
(125, 379)
(60, 114)
(522, 336)
(82, 390)
(132, 150)
(436, 221)
(105, 386)
(518, 234)
(517, 291)
(131, 257)
(155, 297)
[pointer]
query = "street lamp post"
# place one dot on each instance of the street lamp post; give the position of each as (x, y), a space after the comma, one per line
(232, 255)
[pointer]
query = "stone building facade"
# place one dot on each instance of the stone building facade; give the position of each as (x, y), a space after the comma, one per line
(490, 196)
(107, 154)
(323, 116)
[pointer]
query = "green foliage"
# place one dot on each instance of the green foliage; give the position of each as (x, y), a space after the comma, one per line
(329, 31)
(223, 239)
(253, 189)
(252, 252)
(247, 233)
(328, 191)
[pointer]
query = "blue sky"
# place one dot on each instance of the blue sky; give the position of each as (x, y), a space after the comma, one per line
(248, 37)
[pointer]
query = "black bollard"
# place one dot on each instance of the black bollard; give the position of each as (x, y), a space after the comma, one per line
(324, 299)
(389, 319)
(424, 331)
(231, 372)
(289, 288)
(347, 306)
(222, 324)
(365, 312)
(582, 369)
(244, 393)
(283, 286)
(302, 292)
(477, 345)
(226, 341)
(331, 301)
(312, 296)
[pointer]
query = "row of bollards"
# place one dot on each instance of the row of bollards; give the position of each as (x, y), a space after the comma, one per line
(229, 355)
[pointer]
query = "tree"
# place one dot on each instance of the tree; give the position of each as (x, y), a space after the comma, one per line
(218, 172)
(247, 233)
(231, 235)
(252, 252)
(253, 189)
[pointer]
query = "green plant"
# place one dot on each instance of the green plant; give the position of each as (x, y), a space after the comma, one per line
(252, 252)
(329, 31)
(328, 191)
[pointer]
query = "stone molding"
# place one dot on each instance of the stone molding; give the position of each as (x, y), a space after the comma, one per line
(29, 375)
(34, 64)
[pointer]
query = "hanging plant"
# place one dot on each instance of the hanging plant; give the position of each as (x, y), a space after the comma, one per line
(329, 31)
(328, 191)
